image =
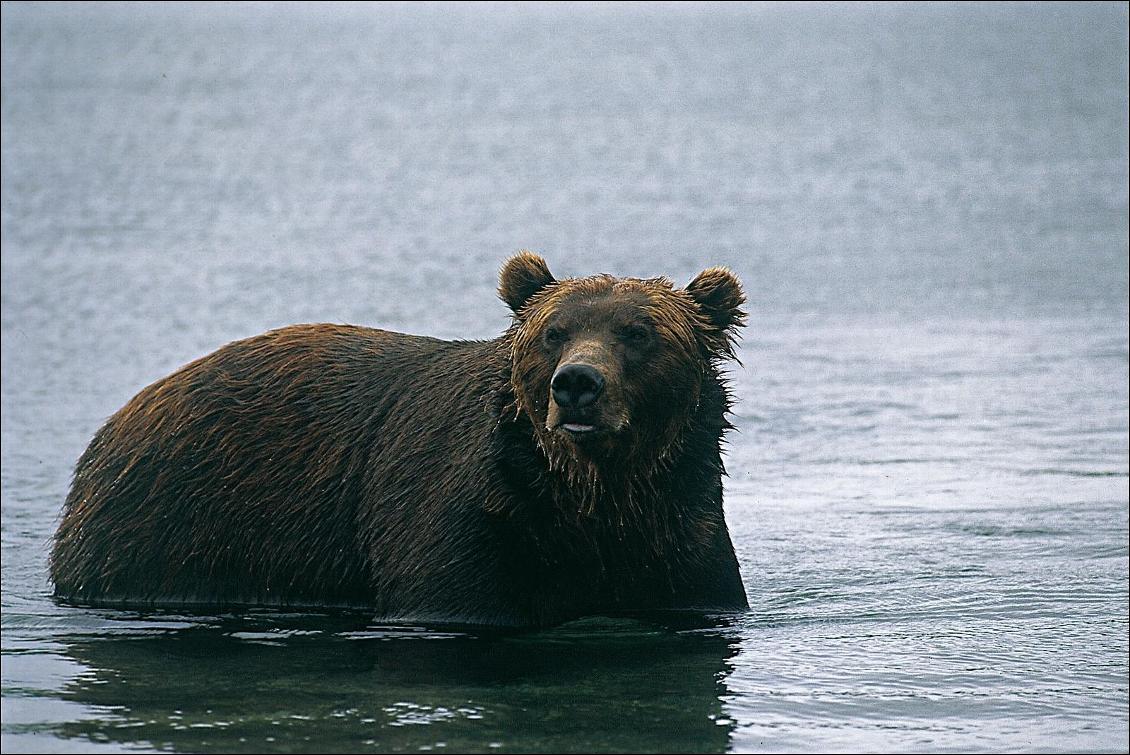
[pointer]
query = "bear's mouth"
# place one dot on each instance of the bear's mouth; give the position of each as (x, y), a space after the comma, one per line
(577, 428)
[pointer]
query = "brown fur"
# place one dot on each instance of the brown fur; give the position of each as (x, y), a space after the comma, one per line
(425, 480)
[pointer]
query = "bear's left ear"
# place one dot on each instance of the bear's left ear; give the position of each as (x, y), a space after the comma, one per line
(522, 276)
(718, 293)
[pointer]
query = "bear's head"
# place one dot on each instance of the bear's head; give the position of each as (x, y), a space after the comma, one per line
(609, 370)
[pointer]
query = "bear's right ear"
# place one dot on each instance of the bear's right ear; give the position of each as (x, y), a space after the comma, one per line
(522, 276)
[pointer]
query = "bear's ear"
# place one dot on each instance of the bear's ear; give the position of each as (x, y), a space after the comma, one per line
(522, 276)
(718, 293)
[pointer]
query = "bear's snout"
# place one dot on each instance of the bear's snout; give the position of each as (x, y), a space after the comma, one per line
(576, 386)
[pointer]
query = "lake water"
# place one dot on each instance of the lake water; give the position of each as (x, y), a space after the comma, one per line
(928, 486)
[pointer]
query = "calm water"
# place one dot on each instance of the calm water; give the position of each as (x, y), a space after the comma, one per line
(928, 490)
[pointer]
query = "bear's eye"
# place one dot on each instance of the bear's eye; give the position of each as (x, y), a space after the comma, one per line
(555, 336)
(637, 335)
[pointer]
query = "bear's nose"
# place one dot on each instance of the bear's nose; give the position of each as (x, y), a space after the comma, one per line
(576, 386)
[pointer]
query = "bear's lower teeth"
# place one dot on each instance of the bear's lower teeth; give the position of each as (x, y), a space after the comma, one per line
(577, 428)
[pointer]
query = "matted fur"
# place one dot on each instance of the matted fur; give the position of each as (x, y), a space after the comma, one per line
(339, 466)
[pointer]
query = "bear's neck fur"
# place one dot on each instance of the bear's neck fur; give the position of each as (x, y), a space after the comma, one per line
(659, 503)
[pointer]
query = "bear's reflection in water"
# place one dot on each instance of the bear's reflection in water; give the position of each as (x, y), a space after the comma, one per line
(274, 683)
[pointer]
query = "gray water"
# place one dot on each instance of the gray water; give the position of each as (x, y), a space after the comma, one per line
(928, 486)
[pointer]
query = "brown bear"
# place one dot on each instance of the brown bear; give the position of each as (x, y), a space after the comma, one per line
(570, 467)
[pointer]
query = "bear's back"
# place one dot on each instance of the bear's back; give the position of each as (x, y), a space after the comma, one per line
(237, 479)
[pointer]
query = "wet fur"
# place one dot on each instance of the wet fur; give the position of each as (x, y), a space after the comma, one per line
(338, 466)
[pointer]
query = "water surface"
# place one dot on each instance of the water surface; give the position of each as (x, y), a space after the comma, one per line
(928, 482)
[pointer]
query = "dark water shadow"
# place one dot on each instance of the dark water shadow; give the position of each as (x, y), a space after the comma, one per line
(278, 683)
